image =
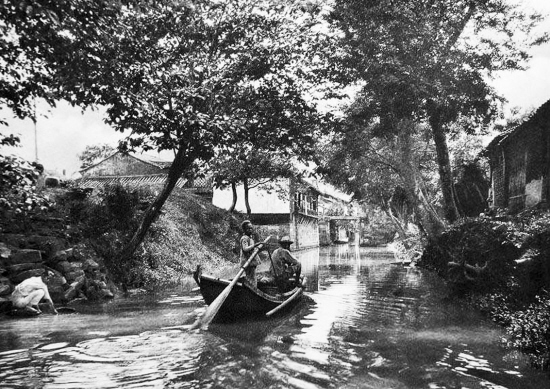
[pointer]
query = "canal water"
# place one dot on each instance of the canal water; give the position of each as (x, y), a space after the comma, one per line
(365, 322)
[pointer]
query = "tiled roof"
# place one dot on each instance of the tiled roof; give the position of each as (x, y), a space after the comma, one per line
(201, 184)
(540, 116)
(151, 179)
(499, 138)
(151, 160)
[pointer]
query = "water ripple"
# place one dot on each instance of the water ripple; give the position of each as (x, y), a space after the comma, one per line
(365, 323)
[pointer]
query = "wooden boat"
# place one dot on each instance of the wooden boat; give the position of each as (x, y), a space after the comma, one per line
(244, 300)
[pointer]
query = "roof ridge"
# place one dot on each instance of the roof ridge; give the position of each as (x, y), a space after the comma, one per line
(156, 163)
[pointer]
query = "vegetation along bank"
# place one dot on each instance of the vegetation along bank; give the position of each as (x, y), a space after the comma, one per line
(73, 243)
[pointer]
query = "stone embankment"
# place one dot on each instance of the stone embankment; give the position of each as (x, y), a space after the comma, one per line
(69, 272)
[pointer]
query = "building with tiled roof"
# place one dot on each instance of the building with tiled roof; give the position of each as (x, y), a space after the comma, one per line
(302, 208)
(520, 164)
(132, 170)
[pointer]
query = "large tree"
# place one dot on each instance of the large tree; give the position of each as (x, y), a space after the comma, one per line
(182, 94)
(430, 61)
(390, 170)
(169, 73)
(37, 39)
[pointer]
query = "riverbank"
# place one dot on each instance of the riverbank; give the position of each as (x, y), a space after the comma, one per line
(500, 266)
(73, 244)
(189, 232)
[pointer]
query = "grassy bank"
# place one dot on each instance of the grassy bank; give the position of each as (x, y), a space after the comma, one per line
(189, 232)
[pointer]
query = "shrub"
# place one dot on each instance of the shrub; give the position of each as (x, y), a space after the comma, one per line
(475, 242)
(107, 219)
(73, 202)
(18, 192)
(517, 252)
(188, 232)
(529, 331)
(498, 306)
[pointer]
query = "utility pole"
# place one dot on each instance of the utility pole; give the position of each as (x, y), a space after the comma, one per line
(35, 143)
(35, 119)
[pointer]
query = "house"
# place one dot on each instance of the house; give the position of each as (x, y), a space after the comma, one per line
(133, 170)
(289, 206)
(336, 215)
(520, 164)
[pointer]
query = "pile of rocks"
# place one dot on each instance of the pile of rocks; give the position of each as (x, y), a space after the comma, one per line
(70, 273)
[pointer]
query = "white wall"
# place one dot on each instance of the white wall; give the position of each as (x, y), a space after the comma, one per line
(260, 200)
(307, 234)
(533, 193)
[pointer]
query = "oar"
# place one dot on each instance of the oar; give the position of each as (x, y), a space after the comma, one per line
(284, 303)
(272, 265)
(213, 308)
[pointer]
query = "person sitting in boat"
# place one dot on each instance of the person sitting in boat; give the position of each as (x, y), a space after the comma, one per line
(284, 266)
(28, 293)
(247, 247)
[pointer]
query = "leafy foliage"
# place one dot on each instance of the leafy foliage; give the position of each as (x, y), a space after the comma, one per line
(256, 168)
(476, 242)
(513, 288)
(18, 179)
(106, 218)
(38, 39)
(17, 184)
(472, 188)
(393, 171)
(170, 251)
(117, 208)
(196, 75)
(529, 331)
(426, 61)
(190, 76)
(94, 153)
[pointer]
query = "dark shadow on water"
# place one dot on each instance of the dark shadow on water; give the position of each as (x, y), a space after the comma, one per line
(256, 329)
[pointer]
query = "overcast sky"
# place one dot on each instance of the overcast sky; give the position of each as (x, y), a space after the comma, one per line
(530, 88)
(66, 132)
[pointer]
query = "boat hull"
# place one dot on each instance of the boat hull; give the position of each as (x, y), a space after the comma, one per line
(243, 300)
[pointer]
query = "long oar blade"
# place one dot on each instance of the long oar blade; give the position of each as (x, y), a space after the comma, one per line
(284, 303)
(211, 311)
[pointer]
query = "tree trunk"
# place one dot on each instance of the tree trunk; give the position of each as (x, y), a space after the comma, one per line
(401, 231)
(445, 171)
(247, 204)
(432, 224)
(427, 216)
(436, 122)
(425, 213)
(234, 201)
(180, 163)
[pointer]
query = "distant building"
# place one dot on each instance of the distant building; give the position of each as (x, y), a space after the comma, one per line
(131, 170)
(520, 164)
(289, 206)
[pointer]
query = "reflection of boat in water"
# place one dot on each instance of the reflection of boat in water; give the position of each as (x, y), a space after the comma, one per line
(245, 300)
